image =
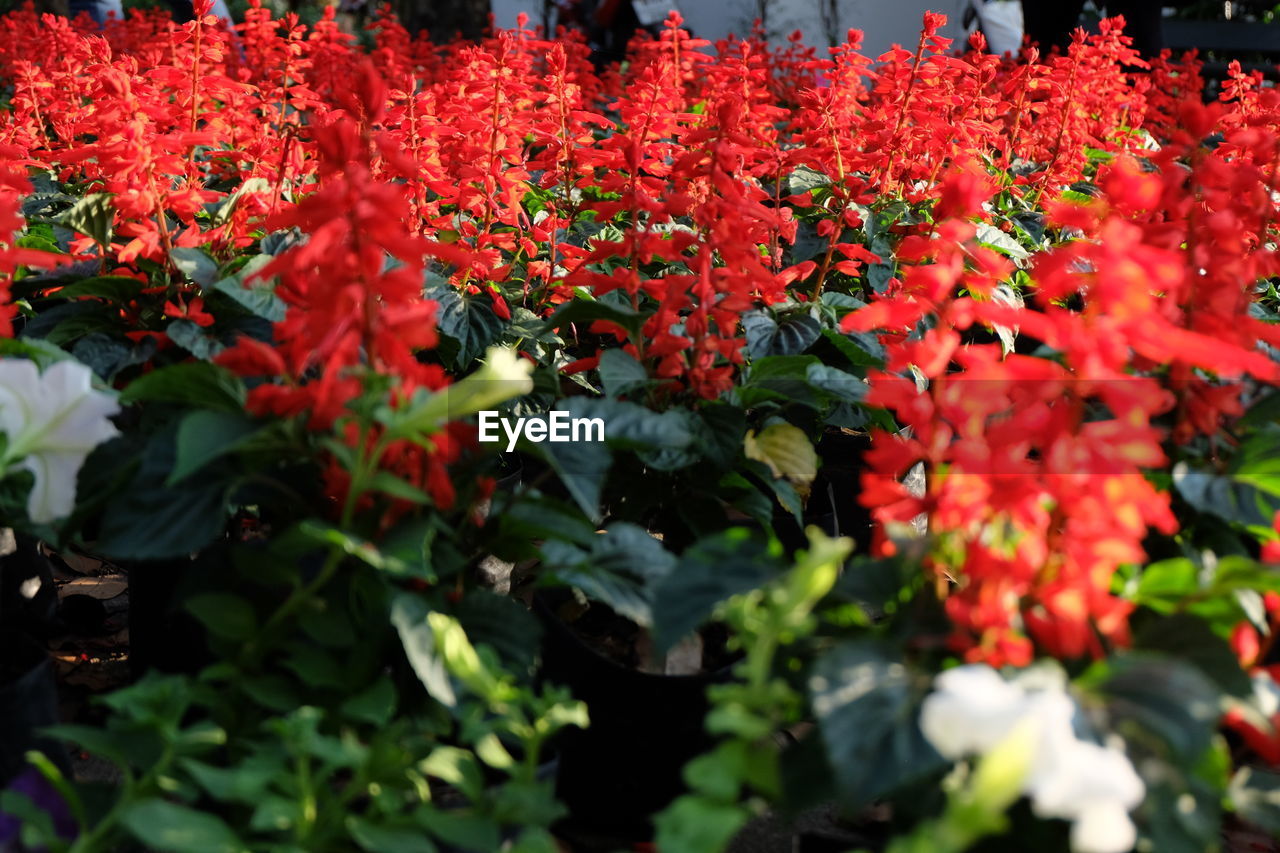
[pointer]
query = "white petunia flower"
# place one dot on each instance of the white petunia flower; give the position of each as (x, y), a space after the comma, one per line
(51, 421)
(973, 709)
(1079, 776)
(1103, 828)
(970, 710)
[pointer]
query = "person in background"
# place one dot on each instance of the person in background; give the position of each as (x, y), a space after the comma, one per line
(1050, 22)
(100, 10)
(1000, 22)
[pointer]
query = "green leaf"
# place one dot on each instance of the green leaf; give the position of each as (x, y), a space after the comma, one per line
(152, 521)
(222, 215)
(92, 216)
(804, 179)
(632, 426)
(711, 571)
(314, 666)
(242, 783)
(791, 334)
(194, 339)
(474, 833)
(796, 333)
(861, 348)
(582, 467)
(467, 321)
(206, 435)
(1191, 639)
(992, 237)
(621, 567)
(195, 264)
(376, 838)
(1255, 795)
(107, 356)
(1217, 593)
(226, 615)
(375, 705)
(174, 828)
(113, 288)
(503, 624)
(1153, 697)
(63, 324)
(867, 706)
(839, 384)
(696, 824)
(198, 384)
(1227, 496)
(390, 484)
(760, 329)
(259, 299)
(588, 311)
(409, 616)
(620, 373)
(457, 767)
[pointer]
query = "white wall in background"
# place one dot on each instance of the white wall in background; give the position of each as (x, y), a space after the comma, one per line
(883, 24)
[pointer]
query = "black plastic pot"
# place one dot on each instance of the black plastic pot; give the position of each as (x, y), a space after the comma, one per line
(28, 703)
(626, 766)
(839, 480)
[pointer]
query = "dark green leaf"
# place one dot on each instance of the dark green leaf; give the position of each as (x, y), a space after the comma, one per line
(152, 521)
(107, 355)
(466, 320)
(582, 467)
(1152, 696)
(226, 615)
(587, 311)
(712, 571)
(258, 299)
(113, 288)
(760, 330)
(194, 339)
(92, 216)
(621, 567)
(195, 265)
(796, 333)
(1189, 638)
(620, 373)
(206, 435)
(197, 384)
(375, 705)
(868, 707)
(501, 623)
(861, 348)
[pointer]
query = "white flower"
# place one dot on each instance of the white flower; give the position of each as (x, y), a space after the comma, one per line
(973, 709)
(1079, 776)
(1103, 828)
(51, 421)
(970, 710)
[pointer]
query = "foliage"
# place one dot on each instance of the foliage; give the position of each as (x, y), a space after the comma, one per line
(305, 266)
